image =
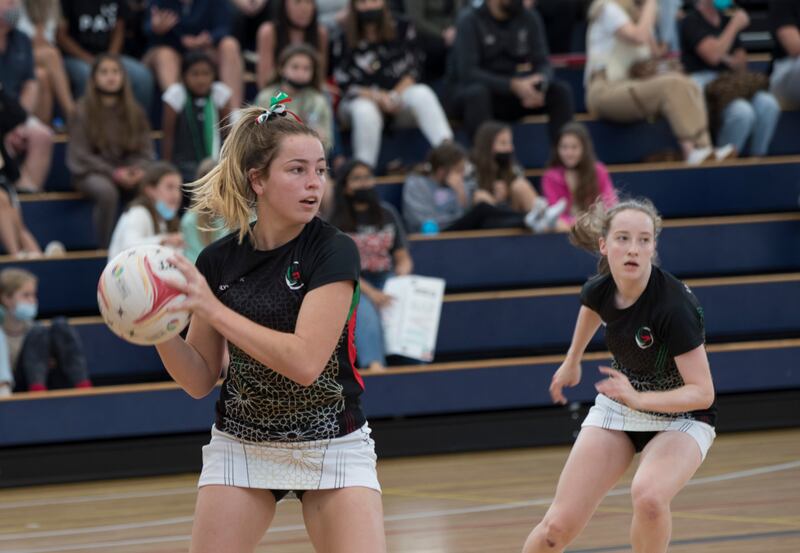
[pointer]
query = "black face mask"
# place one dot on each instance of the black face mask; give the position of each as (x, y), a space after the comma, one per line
(503, 159)
(297, 85)
(369, 16)
(364, 196)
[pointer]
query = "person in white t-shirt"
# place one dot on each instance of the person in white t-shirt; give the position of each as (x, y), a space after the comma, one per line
(621, 32)
(152, 217)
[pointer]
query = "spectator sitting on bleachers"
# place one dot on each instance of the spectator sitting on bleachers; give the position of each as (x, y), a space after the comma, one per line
(560, 18)
(500, 69)
(575, 175)
(92, 27)
(199, 229)
(376, 65)
(440, 196)
(382, 245)
(621, 33)
(6, 373)
(175, 27)
(711, 49)
(109, 143)
(39, 21)
(295, 23)
(300, 76)
(192, 112)
(33, 346)
(435, 23)
(500, 181)
(784, 18)
(15, 238)
(30, 144)
(152, 217)
(248, 16)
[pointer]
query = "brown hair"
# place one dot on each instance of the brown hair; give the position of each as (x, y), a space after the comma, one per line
(445, 156)
(225, 192)
(42, 11)
(13, 278)
(134, 120)
(595, 223)
(300, 50)
(354, 33)
(482, 156)
(587, 189)
(152, 176)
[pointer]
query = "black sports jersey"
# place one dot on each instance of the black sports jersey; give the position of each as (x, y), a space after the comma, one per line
(256, 403)
(666, 321)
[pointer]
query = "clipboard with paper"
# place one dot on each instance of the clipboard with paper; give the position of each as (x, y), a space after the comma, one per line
(411, 321)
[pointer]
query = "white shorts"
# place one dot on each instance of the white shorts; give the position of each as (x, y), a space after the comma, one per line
(607, 413)
(343, 462)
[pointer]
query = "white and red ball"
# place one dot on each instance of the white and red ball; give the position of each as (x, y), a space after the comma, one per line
(134, 298)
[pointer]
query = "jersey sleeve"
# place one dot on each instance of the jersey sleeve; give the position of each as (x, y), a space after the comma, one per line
(336, 260)
(591, 293)
(683, 327)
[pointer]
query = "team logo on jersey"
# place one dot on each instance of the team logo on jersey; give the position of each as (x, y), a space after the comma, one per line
(293, 276)
(644, 337)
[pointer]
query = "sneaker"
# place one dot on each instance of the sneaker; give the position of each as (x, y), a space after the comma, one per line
(536, 213)
(699, 156)
(54, 249)
(548, 218)
(725, 152)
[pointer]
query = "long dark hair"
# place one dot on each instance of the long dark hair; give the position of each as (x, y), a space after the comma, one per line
(152, 176)
(354, 32)
(343, 215)
(587, 189)
(486, 167)
(132, 116)
(282, 26)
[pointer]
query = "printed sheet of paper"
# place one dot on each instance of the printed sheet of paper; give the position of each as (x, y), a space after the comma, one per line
(411, 322)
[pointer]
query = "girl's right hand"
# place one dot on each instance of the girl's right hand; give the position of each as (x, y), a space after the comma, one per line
(568, 374)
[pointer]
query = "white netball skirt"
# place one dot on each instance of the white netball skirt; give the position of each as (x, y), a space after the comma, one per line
(611, 415)
(342, 462)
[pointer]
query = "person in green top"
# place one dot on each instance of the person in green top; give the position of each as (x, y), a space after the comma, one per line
(194, 226)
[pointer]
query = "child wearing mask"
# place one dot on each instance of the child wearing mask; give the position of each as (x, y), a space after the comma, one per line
(300, 77)
(193, 110)
(152, 216)
(30, 346)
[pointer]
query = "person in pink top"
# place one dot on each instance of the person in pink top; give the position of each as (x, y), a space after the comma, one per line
(575, 175)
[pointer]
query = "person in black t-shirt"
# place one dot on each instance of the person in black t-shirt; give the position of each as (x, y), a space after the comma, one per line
(376, 228)
(710, 46)
(278, 298)
(658, 396)
(784, 20)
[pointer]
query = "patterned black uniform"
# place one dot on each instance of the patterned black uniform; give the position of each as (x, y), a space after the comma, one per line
(666, 321)
(256, 403)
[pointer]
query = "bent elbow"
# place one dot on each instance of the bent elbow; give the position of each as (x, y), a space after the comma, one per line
(305, 377)
(710, 396)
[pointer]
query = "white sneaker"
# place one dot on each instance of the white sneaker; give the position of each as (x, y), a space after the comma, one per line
(727, 151)
(536, 212)
(54, 249)
(548, 218)
(699, 155)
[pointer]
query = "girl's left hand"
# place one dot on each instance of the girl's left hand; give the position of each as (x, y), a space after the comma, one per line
(200, 300)
(617, 387)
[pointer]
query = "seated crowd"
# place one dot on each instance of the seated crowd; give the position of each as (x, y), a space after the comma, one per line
(94, 68)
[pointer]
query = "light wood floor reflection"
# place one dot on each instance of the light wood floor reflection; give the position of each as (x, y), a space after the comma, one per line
(744, 499)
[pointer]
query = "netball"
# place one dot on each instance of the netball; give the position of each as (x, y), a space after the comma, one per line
(134, 297)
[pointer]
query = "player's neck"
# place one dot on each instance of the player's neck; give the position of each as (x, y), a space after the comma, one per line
(630, 290)
(271, 235)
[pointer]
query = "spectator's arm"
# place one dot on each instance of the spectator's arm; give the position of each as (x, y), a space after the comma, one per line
(537, 41)
(323, 51)
(642, 31)
(81, 158)
(69, 45)
(554, 188)
(789, 37)
(28, 95)
(117, 37)
(468, 59)
(137, 229)
(713, 50)
(403, 264)
(168, 121)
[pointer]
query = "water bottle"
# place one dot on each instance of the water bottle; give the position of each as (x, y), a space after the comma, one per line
(430, 226)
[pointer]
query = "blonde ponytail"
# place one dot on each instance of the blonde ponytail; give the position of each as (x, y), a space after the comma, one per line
(253, 143)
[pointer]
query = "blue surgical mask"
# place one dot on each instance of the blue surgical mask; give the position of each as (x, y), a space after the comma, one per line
(723, 5)
(26, 311)
(166, 212)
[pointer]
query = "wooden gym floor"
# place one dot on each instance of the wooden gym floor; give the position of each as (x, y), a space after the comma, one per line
(744, 499)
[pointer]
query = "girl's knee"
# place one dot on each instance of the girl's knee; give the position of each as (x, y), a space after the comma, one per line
(648, 502)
